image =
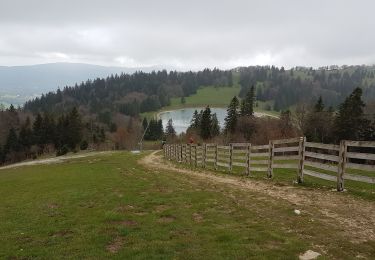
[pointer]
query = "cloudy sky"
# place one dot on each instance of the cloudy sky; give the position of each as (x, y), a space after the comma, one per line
(187, 34)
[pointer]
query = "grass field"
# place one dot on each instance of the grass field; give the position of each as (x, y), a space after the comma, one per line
(212, 96)
(108, 206)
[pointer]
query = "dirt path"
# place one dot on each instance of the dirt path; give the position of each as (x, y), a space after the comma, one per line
(354, 216)
(59, 159)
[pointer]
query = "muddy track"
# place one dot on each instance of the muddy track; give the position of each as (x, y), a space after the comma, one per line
(354, 216)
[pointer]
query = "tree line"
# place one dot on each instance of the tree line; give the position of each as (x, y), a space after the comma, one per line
(44, 134)
(289, 87)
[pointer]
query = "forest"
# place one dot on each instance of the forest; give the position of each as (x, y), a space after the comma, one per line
(324, 104)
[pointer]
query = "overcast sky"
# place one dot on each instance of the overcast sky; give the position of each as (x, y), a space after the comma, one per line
(188, 34)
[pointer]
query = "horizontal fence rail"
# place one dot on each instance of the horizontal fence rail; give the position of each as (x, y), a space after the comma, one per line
(351, 160)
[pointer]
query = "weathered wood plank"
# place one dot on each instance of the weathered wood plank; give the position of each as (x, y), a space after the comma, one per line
(361, 178)
(320, 175)
(323, 166)
(222, 164)
(285, 157)
(361, 143)
(259, 154)
(258, 169)
(285, 166)
(365, 167)
(321, 156)
(259, 162)
(244, 151)
(223, 147)
(323, 146)
(260, 147)
(239, 164)
(366, 156)
(240, 144)
(286, 141)
(286, 149)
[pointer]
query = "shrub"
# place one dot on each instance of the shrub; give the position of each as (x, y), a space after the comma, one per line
(62, 151)
(84, 145)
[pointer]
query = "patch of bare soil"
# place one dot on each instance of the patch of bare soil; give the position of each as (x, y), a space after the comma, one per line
(355, 216)
(161, 208)
(115, 245)
(63, 233)
(166, 219)
(197, 217)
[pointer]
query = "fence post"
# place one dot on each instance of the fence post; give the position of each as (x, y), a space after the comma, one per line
(341, 166)
(190, 154)
(195, 156)
(270, 162)
(301, 153)
(204, 155)
(230, 157)
(248, 159)
(216, 156)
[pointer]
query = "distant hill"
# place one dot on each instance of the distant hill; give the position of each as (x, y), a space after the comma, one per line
(19, 83)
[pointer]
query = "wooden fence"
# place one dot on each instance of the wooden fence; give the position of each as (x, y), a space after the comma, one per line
(325, 161)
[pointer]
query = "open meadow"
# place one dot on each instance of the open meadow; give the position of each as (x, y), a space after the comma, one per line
(137, 206)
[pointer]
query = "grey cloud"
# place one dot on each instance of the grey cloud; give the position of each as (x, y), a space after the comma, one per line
(187, 34)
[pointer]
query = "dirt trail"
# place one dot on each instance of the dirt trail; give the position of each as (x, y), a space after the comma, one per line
(52, 160)
(354, 216)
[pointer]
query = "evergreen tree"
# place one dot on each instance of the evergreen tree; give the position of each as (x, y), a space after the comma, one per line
(74, 129)
(232, 115)
(48, 129)
(247, 105)
(12, 142)
(215, 128)
(170, 131)
(205, 124)
(26, 134)
(319, 106)
(196, 120)
(2, 155)
(38, 131)
(183, 100)
(350, 123)
(160, 132)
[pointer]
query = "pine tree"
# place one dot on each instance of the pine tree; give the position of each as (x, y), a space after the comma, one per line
(232, 116)
(160, 132)
(196, 120)
(12, 144)
(215, 128)
(350, 123)
(247, 105)
(319, 106)
(48, 129)
(26, 134)
(170, 131)
(74, 129)
(183, 100)
(38, 131)
(205, 124)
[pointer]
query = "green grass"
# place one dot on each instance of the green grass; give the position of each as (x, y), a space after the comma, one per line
(86, 208)
(289, 176)
(212, 96)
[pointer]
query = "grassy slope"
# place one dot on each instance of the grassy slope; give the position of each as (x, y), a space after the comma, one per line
(87, 207)
(212, 96)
